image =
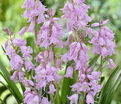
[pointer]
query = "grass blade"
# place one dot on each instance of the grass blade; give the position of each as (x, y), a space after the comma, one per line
(111, 86)
(67, 82)
(12, 86)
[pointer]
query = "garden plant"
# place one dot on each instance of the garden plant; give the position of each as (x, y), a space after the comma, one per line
(61, 66)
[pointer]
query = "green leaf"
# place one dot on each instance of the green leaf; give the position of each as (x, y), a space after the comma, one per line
(2, 89)
(67, 82)
(11, 85)
(5, 52)
(111, 86)
(2, 102)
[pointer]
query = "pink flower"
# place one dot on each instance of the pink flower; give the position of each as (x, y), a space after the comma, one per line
(73, 98)
(82, 77)
(52, 89)
(101, 23)
(58, 64)
(19, 42)
(95, 87)
(76, 87)
(26, 51)
(45, 75)
(70, 38)
(10, 51)
(111, 64)
(51, 56)
(33, 10)
(27, 83)
(8, 31)
(103, 40)
(45, 101)
(85, 87)
(76, 14)
(89, 99)
(35, 100)
(14, 76)
(32, 25)
(22, 31)
(16, 62)
(21, 76)
(94, 76)
(28, 65)
(31, 97)
(69, 72)
(51, 35)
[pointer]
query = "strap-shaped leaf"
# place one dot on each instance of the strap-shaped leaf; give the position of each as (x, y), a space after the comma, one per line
(67, 82)
(2, 89)
(13, 88)
(1, 101)
(5, 52)
(111, 86)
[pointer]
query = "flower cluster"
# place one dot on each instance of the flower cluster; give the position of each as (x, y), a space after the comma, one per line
(51, 32)
(34, 10)
(88, 83)
(103, 40)
(42, 78)
(14, 47)
(76, 14)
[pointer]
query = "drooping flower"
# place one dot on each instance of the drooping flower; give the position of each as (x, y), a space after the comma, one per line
(19, 42)
(31, 97)
(73, 98)
(45, 101)
(111, 64)
(94, 76)
(45, 75)
(34, 9)
(58, 64)
(50, 36)
(52, 89)
(103, 40)
(21, 76)
(76, 15)
(10, 51)
(8, 31)
(69, 72)
(89, 84)
(16, 62)
(22, 31)
(78, 53)
(28, 65)
(89, 99)
(14, 76)
(26, 51)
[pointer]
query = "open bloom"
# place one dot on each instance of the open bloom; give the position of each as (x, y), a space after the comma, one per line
(16, 62)
(73, 98)
(76, 14)
(103, 40)
(69, 72)
(52, 89)
(89, 99)
(111, 64)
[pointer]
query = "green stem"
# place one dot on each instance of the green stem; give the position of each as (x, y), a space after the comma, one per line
(77, 75)
(101, 64)
(83, 98)
(35, 28)
(57, 100)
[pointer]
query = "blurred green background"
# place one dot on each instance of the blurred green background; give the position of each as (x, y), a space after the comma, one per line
(11, 16)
